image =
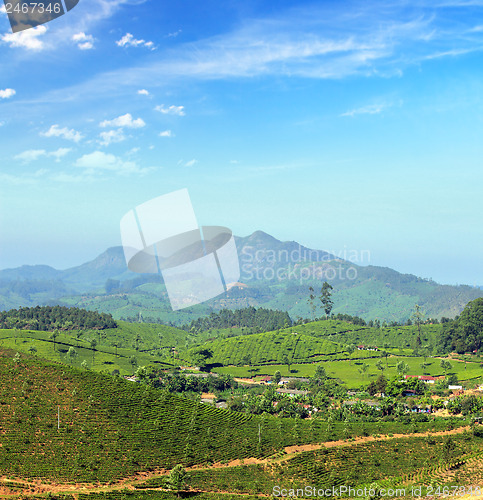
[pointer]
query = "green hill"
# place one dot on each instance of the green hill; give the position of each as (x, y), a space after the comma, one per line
(272, 347)
(114, 348)
(62, 424)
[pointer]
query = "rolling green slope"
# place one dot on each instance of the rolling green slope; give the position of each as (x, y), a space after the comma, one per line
(63, 424)
(114, 349)
(272, 347)
(392, 336)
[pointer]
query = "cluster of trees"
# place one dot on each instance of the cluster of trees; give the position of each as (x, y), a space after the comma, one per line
(269, 402)
(50, 318)
(465, 333)
(466, 405)
(178, 383)
(263, 320)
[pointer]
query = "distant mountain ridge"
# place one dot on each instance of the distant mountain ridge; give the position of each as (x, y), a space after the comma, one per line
(278, 275)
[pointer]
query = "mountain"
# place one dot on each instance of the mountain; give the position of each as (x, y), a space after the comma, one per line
(273, 274)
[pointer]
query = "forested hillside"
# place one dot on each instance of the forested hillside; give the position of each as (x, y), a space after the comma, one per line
(49, 318)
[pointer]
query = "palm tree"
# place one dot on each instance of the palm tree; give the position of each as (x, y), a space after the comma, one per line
(54, 336)
(350, 348)
(72, 354)
(93, 343)
(380, 366)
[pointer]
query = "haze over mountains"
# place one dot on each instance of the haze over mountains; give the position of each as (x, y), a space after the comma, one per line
(276, 274)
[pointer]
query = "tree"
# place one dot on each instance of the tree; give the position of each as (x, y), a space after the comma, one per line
(418, 318)
(32, 349)
(466, 332)
(325, 298)
(380, 366)
(177, 480)
(402, 368)
(72, 354)
(54, 336)
(445, 366)
(93, 343)
(277, 376)
(287, 362)
(350, 348)
(200, 356)
(311, 302)
(84, 365)
(133, 361)
(363, 369)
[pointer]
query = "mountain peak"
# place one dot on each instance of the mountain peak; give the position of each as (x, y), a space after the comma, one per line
(261, 236)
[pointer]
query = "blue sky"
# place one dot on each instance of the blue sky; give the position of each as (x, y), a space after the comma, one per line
(346, 126)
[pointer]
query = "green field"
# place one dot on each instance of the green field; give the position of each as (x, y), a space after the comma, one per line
(349, 372)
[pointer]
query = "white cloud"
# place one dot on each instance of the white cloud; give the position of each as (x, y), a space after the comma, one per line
(124, 121)
(112, 136)
(28, 39)
(65, 133)
(83, 41)
(98, 162)
(30, 155)
(25, 178)
(191, 163)
(133, 151)
(3, 10)
(166, 133)
(143, 92)
(7, 93)
(128, 40)
(60, 153)
(34, 154)
(371, 109)
(171, 110)
(174, 34)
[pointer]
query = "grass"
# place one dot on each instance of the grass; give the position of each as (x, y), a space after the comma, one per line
(349, 373)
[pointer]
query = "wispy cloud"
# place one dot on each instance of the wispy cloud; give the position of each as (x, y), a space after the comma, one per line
(370, 109)
(171, 110)
(190, 163)
(128, 40)
(174, 34)
(166, 133)
(64, 133)
(30, 155)
(100, 162)
(143, 92)
(35, 154)
(24, 178)
(322, 42)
